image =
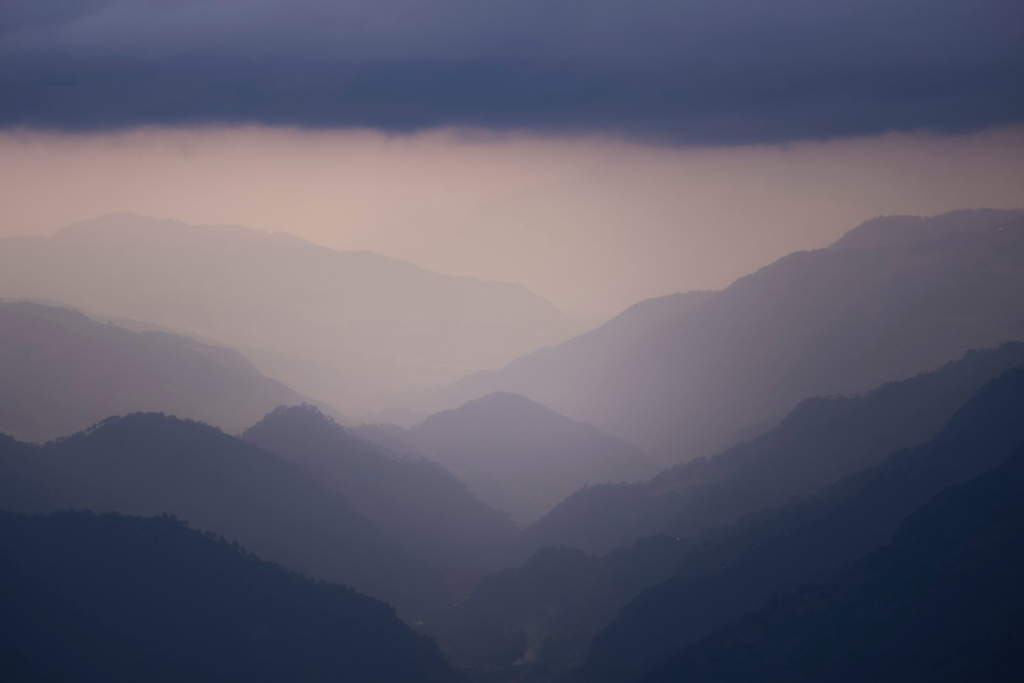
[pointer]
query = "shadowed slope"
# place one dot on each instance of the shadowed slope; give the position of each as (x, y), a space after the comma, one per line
(123, 599)
(769, 554)
(942, 602)
(149, 464)
(535, 622)
(416, 501)
(518, 456)
(822, 440)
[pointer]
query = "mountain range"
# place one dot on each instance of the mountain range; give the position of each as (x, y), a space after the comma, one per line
(515, 454)
(819, 442)
(823, 485)
(776, 551)
(347, 328)
(61, 372)
(150, 464)
(415, 501)
(697, 373)
(942, 602)
(535, 622)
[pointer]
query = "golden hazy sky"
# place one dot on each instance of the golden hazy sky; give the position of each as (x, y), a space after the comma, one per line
(594, 224)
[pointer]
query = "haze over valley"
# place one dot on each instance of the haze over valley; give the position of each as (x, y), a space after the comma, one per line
(511, 342)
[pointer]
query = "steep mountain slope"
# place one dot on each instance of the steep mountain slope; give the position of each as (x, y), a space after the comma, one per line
(61, 372)
(535, 622)
(942, 602)
(149, 464)
(821, 441)
(347, 328)
(517, 455)
(869, 309)
(414, 500)
(774, 552)
(121, 599)
(575, 358)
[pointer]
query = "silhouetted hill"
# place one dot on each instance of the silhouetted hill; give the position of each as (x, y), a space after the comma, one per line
(123, 599)
(517, 455)
(942, 602)
(838, 320)
(348, 328)
(535, 622)
(414, 500)
(149, 464)
(61, 372)
(819, 442)
(770, 554)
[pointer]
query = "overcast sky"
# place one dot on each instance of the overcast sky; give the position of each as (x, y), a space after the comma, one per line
(718, 71)
(598, 151)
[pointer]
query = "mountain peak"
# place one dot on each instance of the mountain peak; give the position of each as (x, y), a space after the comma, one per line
(302, 423)
(504, 400)
(304, 413)
(895, 231)
(522, 457)
(501, 415)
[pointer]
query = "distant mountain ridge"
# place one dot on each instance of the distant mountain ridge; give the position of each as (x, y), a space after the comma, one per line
(415, 501)
(515, 454)
(819, 442)
(347, 328)
(894, 298)
(61, 372)
(573, 360)
(891, 231)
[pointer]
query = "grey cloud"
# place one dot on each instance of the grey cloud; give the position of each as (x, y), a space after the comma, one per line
(704, 71)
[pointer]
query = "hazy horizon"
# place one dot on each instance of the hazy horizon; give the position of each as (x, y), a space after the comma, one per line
(592, 224)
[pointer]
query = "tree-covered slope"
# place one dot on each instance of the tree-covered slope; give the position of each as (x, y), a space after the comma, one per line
(115, 599)
(740, 569)
(414, 500)
(942, 602)
(819, 442)
(150, 464)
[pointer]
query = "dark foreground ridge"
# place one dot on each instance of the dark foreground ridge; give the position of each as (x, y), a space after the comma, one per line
(775, 552)
(124, 599)
(149, 464)
(942, 602)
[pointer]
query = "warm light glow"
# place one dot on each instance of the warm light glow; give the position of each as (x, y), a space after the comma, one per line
(593, 224)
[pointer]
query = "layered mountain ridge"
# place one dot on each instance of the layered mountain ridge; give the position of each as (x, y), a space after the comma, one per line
(347, 328)
(515, 454)
(886, 302)
(61, 372)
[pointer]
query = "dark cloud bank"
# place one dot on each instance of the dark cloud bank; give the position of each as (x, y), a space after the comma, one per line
(707, 71)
